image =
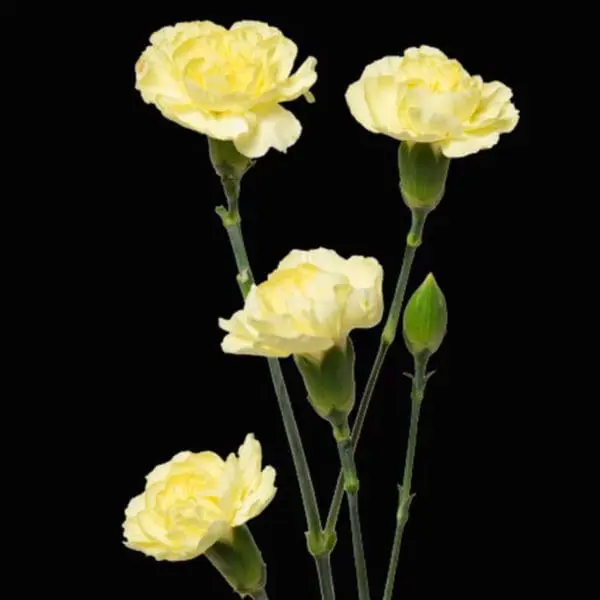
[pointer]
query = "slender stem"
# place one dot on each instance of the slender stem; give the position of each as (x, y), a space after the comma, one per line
(237, 245)
(232, 223)
(325, 576)
(387, 337)
(418, 390)
(307, 490)
(231, 187)
(262, 595)
(391, 325)
(351, 485)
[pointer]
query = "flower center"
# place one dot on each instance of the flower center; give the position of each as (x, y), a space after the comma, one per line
(224, 64)
(434, 73)
(188, 498)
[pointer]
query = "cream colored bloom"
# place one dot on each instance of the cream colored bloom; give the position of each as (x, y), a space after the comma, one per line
(309, 303)
(425, 97)
(227, 83)
(195, 500)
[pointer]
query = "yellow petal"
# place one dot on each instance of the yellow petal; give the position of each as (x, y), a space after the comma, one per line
(234, 345)
(218, 126)
(421, 51)
(250, 459)
(153, 527)
(276, 345)
(382, 98)
(217, 530)
(260, 498)
(210, 464)
(495, 96)
(300, 82)
(259, 27)
(284, 57)
(274, 127)
(388, 65)
(182, 31)
(355, 98)
(135, 506)
(134, 534)
(161, 472)
(363, 272)
(154, 77)
(470, 145)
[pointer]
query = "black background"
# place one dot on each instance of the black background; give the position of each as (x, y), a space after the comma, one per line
(7, 8)
(166, 274)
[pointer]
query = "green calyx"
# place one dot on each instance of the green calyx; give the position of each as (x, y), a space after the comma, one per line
(240, 562)
(226, 160)
(423, 172)
(321, 543)
(330, 382)
(425, 318)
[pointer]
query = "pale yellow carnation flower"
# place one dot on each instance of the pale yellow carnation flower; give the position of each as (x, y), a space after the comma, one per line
(310, 303)
(195, 500)
(227, 83)
(424, 96)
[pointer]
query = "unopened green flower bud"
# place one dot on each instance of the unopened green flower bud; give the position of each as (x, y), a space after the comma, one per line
(423, 171)
(226, 160)
(425, 318)
(240, 562)
(330, 382)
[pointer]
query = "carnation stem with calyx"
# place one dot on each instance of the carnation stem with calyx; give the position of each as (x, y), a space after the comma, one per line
(240, 562)
(331, 387)
(231, 166)
(420, 209)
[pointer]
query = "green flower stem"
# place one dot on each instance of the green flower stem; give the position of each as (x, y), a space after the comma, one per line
(325, 575)
(316, 539)
(351, 485)
(387, 337)
(262, 595)
(419, 382)
(307, 490)
(232, 222)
